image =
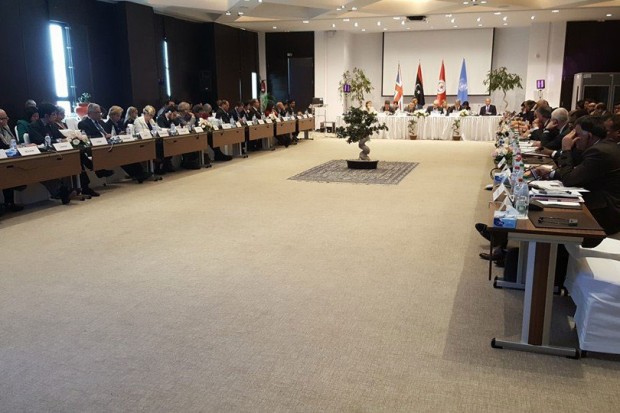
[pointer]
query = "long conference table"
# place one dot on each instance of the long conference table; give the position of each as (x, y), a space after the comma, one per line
(24, 170)
(473, 128)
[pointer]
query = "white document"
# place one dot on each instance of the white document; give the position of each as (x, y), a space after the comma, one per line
(63, 146)
(29, 150)
(3, 154)
(98, 141)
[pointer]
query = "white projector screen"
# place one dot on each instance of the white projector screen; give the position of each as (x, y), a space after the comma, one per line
(429, 48)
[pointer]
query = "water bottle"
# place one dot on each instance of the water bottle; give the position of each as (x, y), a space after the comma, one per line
(48, 141)
(13, 145)
(514, 176)
(522, 198)
(254, 120)
(232, 122)
(173, 129)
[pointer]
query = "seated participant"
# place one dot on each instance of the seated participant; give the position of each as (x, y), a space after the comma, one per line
(556, 129)
(5, 143)
(543, 116)
(612, 127)
(130, 117)
(597, 170)
(37, 130)
(239, 114)
(488, 109)
(466, 106)
(254, 111)
(167, 118)
(146, 123)
(114, 126)
(456, 108)
(269, 109)
(222, 111)
(387, 108)
(60, 118)
(185, 117)
(31, 114)
(169, 104)
(436, 108)
(280, 109)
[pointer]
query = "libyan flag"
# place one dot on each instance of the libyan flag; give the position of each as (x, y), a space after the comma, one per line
(419, 86)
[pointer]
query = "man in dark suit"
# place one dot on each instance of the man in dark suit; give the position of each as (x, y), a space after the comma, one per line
(598, 170)
(456, 108)
(488, 109)
(254, 110)
(238, 113)
(222, 111)
(436, 108)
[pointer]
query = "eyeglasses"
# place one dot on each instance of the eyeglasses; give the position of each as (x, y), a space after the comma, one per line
(5, 118)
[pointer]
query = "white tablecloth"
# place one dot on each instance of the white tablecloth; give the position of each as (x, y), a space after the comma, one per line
(473, 128)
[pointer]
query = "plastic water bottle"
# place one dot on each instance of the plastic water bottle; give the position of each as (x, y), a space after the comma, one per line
(514, 176)
(232, 122)
(13, 145)
(254, 120)
(522, 198)
(173, 129)
(48, 141)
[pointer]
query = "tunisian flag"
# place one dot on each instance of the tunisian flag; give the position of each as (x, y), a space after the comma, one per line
(441, 86)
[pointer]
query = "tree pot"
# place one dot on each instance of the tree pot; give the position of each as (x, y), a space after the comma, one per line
(456, 137)
(361, 164)
(413, 137)
(81, 109)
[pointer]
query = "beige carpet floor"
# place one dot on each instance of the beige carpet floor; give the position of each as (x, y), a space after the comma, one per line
(234, 289)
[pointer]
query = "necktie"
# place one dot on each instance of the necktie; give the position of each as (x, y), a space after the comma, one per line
(488, 108)
(99, 128)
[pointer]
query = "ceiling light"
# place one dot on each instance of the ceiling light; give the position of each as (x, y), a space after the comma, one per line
(402, 23)
(533, 17)
(396, 18)
(465, 2)
(608, 15)
(333, 25)
(275, 27)
(363, 30)
(260, 1)
(385, 28)
(338, 9)
(497, 13)
(305, 22)
(455, 26)
(240, 13)
(408, 28)
(478, 19)
(353, 8)
(378, 23)
(452, 21)
(505, 18)
(228, 13)
(555, 11)
(355, 24)
(479, 25)
(505, 24)
(345, 20)
(448, 15)
(483, 2)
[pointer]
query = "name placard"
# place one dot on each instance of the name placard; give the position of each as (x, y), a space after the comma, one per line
(198, 129)
(268, 121)
(215, 127)
(311, 116)
(164, 133)
(305, 116)
(498, 192)
(278, 120)
(183, 131)
(29, 150)
(145, 134)
(98, 141)
(238, 124)
(126, 138)
(3, 154)
(226, 126)
(63, 146)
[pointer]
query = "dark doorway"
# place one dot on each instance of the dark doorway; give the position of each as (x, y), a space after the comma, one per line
(301, 81)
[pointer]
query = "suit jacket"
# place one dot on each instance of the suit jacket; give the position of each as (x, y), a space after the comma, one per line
(237, 116)
(163, 121)
(599, 172)
(223, 115)
(439, 109)
(6, 135)
(254, 112)
(88, 126)
(117, 127)
(552, 138)
(454, 108)
(491, 112)
(140, 124)
(37, 131)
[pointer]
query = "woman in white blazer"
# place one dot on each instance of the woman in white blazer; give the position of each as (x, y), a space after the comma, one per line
(146, 122)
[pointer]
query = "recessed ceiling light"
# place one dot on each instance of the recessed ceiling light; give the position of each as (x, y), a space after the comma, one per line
(448, 15)
(555, 11)
(497, 13)
(505, 18)
(355, 24)
(478, 19)
(345, 20)
(275, 27)
(505, 24)
(305, 22)
(354, 8)
(385, 28)
(408, 28)
(396, 18)
(240, 13)
(452, 21)
(609, 15)
(465, 2)
(533, 17)
(483, 2)
(363, 30)
(402, 23)
(378, 23)
(228, 13)
(338, 9)
(479, 25)
(455, 27)
(333, 25)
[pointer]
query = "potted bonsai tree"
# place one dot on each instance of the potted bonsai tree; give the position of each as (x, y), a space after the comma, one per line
(501, 79)
(456, 129)
(361, 125)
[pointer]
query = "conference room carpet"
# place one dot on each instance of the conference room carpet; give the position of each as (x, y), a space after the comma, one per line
(235, 289)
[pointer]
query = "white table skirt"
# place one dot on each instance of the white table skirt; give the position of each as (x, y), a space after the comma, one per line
(473, 128)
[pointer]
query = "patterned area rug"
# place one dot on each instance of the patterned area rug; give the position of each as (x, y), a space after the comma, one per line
(387, 173)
